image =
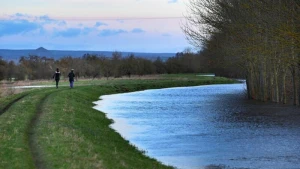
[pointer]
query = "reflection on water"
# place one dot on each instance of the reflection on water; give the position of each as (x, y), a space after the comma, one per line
(207, 127)
(28, 87)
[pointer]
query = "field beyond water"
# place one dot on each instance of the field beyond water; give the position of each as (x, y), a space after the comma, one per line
(58, 128)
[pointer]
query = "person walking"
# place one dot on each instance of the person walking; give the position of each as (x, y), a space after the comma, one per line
(71, 78)
(56, 76)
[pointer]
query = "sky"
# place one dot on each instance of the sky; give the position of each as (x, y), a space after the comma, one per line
(101, 25)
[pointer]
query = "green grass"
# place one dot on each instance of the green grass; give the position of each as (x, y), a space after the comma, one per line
(14, 123)
(139, 79)
(58, 128)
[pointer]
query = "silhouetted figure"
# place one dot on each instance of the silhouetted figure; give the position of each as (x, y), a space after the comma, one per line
(71, 78)
(56, 76)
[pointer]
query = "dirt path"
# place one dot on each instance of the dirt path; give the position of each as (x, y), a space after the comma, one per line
(31, 134)
(11, 103)
(36, 152)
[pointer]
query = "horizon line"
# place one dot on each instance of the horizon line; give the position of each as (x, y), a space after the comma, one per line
(82, 50)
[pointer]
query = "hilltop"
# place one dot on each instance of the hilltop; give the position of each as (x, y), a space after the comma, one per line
(41, 49)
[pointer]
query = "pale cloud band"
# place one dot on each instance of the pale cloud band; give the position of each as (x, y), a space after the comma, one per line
(93, 25)
(22, 24)
(26, 31)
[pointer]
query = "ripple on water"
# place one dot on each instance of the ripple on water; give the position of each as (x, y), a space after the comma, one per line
(210, 127)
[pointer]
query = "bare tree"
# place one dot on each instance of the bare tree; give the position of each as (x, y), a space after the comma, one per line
(259, 37)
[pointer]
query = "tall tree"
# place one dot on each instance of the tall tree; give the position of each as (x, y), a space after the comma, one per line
(259, 38)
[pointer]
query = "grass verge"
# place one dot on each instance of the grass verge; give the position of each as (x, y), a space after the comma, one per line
(58, 128)
(14, 122)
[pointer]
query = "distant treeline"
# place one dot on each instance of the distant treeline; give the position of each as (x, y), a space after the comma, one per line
(98, 66)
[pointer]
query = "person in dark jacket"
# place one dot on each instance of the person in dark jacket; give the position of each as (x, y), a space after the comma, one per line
(71, 78)
(56, 76)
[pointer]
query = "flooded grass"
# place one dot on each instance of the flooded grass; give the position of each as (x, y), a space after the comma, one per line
(203, 126)
(58, 128)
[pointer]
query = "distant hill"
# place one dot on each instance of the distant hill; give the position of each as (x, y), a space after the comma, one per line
(15, 55)
(41, 49)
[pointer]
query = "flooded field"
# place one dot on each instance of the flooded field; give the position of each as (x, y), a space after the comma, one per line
(207, 127)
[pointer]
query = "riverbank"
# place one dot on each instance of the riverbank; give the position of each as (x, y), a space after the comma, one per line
(203, 126)
(58, 128)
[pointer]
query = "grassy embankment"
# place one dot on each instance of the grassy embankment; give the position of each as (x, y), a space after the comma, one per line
(57, 128)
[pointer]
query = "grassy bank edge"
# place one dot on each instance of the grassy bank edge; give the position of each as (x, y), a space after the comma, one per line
(78, 136)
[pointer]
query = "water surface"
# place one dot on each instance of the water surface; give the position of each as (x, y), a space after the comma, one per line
(207, 127)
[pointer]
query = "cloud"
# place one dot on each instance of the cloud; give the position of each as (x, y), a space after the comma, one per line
(19, 15)
(41, 26)
(172, 1)
(62, 23)
(120, 20)
(41, 20)
(68, 33)
(45, 19)
(137, 30)
(111, 32)
(100, 24)
(166, 35)
(87, 30)
(12, 27)
(31, 31)
(114, 32)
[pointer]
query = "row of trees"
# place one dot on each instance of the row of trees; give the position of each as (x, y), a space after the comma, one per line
(94, 66)
(258, 39)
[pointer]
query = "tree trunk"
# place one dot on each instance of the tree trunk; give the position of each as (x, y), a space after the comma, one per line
(295, 86)
(248, 80)
(283, 90)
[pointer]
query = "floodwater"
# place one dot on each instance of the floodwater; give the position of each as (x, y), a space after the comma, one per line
(209, 127)
(29, 87)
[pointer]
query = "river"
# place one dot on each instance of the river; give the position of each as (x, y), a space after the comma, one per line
(211, 126)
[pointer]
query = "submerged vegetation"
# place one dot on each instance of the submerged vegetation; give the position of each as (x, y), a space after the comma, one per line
(258, 39)
(58, 128)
